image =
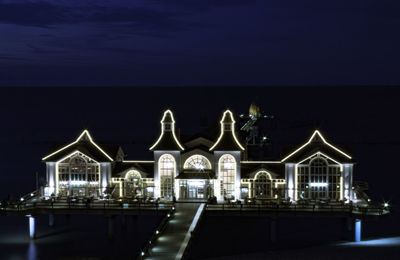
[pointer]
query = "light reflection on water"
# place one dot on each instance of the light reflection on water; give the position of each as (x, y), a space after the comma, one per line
(381, 242)
(32, 251)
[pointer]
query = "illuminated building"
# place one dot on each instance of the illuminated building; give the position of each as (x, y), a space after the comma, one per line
(200, 168)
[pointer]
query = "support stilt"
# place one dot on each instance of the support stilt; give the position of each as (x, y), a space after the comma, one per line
(110, 226)
(347, 227)
(68, 219)
(357, 230)
(51, 220)
(32, 227)
(273, 230)
(123, 222)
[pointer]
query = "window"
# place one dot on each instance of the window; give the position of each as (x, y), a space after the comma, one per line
(262, 185)
(78, 175)
(318, 180)
(166, 169)
(198, 162)
(133, 184)
(227, 175)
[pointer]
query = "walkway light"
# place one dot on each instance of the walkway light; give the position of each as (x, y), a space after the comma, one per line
(157, 232)
(168, 215)
(142, 253)
(386, 204)
(22, 199)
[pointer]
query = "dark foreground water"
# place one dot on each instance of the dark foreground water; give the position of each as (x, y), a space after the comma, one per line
(84, 238)
(223, 238)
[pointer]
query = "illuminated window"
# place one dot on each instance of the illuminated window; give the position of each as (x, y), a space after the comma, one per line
(133, 184)
(227, 175)
(318, 180)
(78, 175)
(166, 171)
(198, 162)
(262, 185)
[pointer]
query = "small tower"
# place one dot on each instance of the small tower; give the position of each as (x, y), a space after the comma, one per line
(167, 152)
(227, 152)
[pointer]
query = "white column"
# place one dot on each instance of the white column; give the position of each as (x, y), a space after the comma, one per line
(289, 176)
(105, 175)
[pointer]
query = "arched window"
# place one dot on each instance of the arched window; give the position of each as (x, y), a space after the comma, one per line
(262, 185)
(318, 178)
(166, 170)
(133, 184)
(227, 175)
(198, 162)
(78, 175)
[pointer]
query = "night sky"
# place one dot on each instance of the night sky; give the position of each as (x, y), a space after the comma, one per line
(202, 43)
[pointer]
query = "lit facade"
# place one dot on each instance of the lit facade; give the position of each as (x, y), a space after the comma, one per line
(199, 169)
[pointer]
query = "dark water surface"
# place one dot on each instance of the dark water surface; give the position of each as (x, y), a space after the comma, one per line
(85, 237)
(298, 238)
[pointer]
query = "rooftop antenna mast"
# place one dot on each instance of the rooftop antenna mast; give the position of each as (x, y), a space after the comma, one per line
(250, 127)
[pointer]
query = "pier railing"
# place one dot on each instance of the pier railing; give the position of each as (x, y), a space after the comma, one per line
(104, 205)
(259, 208)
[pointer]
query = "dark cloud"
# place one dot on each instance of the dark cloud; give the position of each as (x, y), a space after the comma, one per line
(45, 14)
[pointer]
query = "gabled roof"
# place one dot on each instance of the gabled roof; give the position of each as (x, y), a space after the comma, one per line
(227, 140)
(317, 143)
(85, 144)
(121, 168)
(248, 169)
(167, 140)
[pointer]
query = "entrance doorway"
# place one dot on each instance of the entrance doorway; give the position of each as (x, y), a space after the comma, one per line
(196, 189)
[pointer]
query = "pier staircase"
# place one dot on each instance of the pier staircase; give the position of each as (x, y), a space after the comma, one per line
(172, 242)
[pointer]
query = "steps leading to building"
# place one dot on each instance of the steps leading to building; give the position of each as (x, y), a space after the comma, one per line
(172, 242)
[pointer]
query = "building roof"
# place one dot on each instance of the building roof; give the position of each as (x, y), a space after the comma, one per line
(227, 140)
(167, 141)
(315, 144)
(85, 144)
(248, 169)
(196, 174)
(121, 168)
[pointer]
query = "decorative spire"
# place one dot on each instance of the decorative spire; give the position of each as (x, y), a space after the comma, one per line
(167, 139)
(227, 141)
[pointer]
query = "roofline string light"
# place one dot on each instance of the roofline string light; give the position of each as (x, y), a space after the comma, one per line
(232, 130)
(77, 140)
(172, 130)
(133, 161)
(309, 141)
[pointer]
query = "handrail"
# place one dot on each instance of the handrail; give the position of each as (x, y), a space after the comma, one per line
(105, 205)
(194, 233)
(298, 208)
(146, 247)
